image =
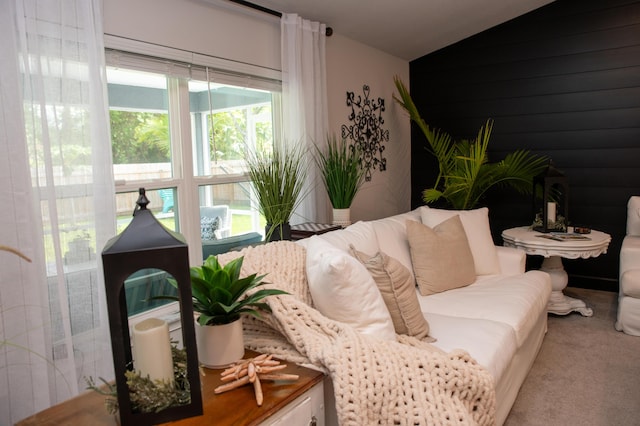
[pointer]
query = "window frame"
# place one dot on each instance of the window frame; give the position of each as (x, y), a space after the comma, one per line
(179, 70)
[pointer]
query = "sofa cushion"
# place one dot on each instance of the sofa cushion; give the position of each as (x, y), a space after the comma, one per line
(516, 300)
(342, 289)
(441, 256)
(476, 226)
(491, 343)
(398, 292)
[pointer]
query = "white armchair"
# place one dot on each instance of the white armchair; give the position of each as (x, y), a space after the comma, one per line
(629, 295)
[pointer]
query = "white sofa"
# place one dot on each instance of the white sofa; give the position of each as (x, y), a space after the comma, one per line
(343, 316)
(500, 319)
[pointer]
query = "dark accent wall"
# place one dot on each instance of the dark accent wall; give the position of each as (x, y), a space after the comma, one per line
(562, 81)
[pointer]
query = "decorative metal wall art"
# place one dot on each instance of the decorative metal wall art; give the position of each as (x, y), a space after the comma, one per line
(366, 131)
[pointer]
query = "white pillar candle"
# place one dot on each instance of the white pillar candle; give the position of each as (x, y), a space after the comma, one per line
(152, 350)
(551, 213)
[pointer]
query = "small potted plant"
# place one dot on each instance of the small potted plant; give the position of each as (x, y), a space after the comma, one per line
(278, 179)
(220, 297)
(342, 175)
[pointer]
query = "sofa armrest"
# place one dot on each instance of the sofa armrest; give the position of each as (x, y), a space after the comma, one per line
(235, 242)
(629, 254)
(512, 260)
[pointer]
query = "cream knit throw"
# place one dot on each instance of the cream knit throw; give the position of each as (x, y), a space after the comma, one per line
(408, 382)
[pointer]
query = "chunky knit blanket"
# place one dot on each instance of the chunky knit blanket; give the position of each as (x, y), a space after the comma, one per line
(408, 382)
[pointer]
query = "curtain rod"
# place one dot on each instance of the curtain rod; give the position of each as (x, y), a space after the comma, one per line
(328, 30)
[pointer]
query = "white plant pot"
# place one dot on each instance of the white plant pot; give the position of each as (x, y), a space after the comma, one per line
(342, 217)
(219, 345)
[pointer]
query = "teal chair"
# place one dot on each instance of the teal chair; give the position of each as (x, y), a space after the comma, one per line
(167, 199)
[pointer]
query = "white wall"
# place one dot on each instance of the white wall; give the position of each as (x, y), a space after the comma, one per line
(211, 27)
(350, 65)
(223, 30)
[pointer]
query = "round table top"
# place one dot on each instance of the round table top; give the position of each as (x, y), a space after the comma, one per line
(564, 244)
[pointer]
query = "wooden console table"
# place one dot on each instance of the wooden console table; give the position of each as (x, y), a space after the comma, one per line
(237, 407)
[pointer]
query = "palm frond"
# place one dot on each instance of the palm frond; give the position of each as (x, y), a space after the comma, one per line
(465, 173)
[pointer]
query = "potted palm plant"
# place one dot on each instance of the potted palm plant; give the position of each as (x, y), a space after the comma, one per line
(465, 173)
(342, 175)
(221, 297)
(278, 179)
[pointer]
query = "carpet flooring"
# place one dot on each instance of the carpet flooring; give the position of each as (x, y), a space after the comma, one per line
(586, 373)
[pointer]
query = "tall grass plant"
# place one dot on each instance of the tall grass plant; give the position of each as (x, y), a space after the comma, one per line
(342, 173)
(278, 179)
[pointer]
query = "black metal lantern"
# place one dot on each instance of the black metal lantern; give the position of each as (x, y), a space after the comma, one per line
(552, 210)
(144, 244)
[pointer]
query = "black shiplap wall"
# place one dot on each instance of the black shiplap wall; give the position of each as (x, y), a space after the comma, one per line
(562, 81)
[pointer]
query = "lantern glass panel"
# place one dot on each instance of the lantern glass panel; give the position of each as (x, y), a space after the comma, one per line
(143, 285)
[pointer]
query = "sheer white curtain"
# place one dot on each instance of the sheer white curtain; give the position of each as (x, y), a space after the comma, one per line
(57, 203)
(304, 102)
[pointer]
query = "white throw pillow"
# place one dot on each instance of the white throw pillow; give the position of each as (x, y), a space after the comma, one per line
(391, 233)
(360, 234)
(476, 226)
(342, 289)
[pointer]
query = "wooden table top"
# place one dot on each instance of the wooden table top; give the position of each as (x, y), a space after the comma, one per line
(236, 407)
(567, 245)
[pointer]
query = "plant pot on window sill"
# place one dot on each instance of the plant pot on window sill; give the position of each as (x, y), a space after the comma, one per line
(342, 217)
(278, 232)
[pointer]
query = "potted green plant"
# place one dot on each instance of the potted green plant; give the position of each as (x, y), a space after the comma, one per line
(221, 297)
(465, 173)
(342, 175)
(278, 179)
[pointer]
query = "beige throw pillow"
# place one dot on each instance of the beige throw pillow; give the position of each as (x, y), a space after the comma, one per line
(476, 227)
(441, 256)
(398, 292)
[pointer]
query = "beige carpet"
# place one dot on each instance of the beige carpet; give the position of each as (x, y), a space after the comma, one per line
(586, 373)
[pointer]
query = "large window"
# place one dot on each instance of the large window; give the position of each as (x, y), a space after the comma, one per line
(183, 132)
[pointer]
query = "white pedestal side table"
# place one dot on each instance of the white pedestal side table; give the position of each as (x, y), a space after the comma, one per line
(554, 247)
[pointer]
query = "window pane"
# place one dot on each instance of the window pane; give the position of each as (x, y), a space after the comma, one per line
(161, 204)
(140, 138)
(227, 219)
(226, 121)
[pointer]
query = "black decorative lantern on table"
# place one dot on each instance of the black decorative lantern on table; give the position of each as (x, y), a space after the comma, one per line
(552, 210)
(143, 245)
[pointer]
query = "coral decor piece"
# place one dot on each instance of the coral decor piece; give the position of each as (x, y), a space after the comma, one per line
(366, 132)
(253, 370)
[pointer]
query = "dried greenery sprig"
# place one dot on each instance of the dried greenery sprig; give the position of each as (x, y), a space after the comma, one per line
(146, 395)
